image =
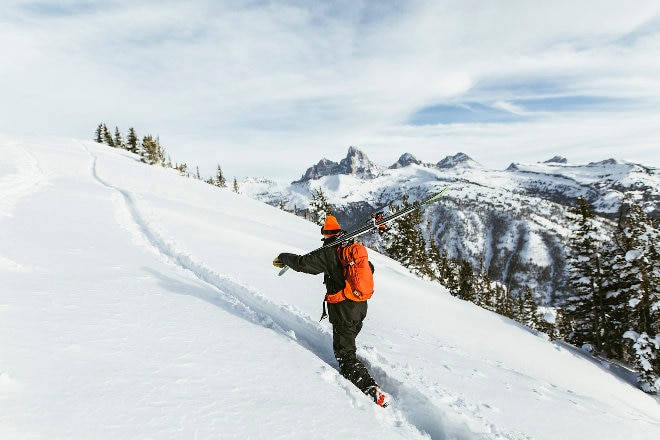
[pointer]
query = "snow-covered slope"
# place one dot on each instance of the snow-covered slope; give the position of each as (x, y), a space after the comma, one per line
(513, 221)
(136, 303)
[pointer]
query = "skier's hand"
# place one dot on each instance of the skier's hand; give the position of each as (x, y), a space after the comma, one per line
(277, 263)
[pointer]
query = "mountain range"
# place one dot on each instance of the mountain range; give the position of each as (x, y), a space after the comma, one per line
(509, 223)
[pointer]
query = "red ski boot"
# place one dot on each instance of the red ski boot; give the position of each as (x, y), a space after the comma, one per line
(379, 397)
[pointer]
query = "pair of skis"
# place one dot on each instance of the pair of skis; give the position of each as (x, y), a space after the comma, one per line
(374, 225)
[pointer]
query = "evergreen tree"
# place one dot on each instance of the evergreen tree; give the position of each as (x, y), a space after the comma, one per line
(132, 141)
(466, 289)
(406, 242)
(527, 310)
(452, 276)
(98, 134)
(152, 153)
(149, 150)
(118, 141)
(586, 309)
(319, 208)
(647, 359)
(616, 299)
(107, 137)
(220, 180)
(641, 267)
(638, 267)
(435, 261)
(162, 156)
(562, 324)
(235, 186)
(503, 301)
(486, 296)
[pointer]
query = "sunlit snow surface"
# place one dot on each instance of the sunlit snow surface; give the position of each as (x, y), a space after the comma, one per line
(135, 303)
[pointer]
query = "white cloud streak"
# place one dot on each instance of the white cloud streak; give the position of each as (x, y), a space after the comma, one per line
(268, 88)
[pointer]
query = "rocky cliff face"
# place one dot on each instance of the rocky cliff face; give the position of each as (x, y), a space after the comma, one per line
(356, 163)
(405, 160)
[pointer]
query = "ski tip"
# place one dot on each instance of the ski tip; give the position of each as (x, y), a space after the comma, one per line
(444, 190)
(440, 194)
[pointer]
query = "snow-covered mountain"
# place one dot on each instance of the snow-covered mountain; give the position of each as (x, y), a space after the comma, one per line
(356, 163)
(136, 303)
(511, 221)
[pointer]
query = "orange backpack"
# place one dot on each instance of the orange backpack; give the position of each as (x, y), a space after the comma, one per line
(357, 272)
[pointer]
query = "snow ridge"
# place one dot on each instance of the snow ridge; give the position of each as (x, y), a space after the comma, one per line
(416, 410)
(232, 296)
(167, 281)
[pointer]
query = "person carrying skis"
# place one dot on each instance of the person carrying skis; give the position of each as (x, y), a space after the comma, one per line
(345, 316)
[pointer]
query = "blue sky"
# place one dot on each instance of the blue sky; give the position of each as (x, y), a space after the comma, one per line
(267, 88)
(527, 109)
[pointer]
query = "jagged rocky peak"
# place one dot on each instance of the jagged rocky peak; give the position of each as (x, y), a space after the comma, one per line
(405, 160)
(325, 167)
(355, 163)
(358, 164)
(460, 159)
(557, 159)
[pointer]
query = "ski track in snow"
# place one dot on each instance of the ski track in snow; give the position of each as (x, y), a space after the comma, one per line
(26, 180)
(410, 408)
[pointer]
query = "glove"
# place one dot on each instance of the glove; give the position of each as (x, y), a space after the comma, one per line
(277, 263)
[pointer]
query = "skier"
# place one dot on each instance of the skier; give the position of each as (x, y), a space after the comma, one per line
(346, 316)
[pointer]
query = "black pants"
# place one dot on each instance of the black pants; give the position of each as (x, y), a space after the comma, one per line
(346, 318)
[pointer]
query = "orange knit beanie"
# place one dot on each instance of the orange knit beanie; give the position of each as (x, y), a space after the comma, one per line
(330, 227)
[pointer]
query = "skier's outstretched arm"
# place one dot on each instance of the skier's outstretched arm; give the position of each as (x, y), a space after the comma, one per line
(310, 263)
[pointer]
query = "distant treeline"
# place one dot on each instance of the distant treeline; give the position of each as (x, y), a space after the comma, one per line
(152, 152)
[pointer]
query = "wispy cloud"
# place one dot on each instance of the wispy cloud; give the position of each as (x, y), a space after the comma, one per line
(239, 83)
